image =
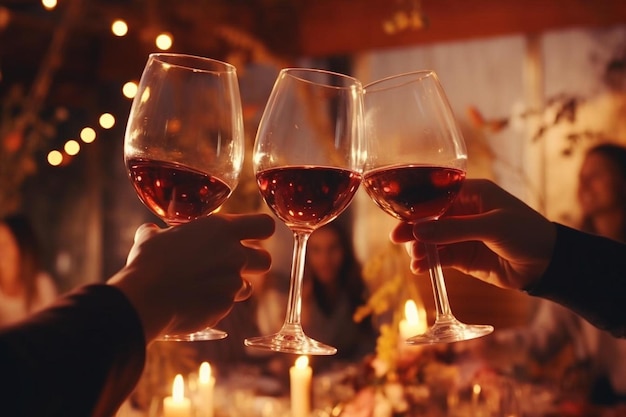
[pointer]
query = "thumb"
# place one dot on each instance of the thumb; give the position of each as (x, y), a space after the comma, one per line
(143, 233)
(454, 229)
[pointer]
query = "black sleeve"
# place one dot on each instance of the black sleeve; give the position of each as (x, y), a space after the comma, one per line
(587, 274)
(80, 357)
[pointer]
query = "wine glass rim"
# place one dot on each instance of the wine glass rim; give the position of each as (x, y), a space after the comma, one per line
(400, 79)
(171, 58)
(292, 72)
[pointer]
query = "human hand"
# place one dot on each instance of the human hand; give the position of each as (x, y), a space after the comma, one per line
(487, 233)
(186, 278)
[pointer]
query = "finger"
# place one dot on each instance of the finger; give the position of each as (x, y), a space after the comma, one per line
(257, 260)
(448, 256)
(403, 232)
(253, 226)
(145, 231)
(415, 249)
(456, 229)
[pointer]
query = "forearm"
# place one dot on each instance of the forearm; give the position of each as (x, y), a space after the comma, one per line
(80, 357)
(587, 274)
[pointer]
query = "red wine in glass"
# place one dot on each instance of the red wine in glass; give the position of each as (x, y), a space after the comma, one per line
(308, 160)
(415, 167)
(414, 192)
(307, 197)
(174, 192)
(184, 144)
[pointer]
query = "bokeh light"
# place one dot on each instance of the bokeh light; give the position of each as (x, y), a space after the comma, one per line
(55, 158)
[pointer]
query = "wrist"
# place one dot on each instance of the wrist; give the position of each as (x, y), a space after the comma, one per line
(153, 317)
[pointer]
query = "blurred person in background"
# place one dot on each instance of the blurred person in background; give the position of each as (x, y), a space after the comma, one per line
(24, 285)
(581, 357)
(332, 291)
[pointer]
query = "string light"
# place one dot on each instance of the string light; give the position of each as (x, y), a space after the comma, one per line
(119, 27)
(164, 41)
(55, 158)
(107, 120)
(49, 4)
(71, 147)
(130, 89)
(88, 135)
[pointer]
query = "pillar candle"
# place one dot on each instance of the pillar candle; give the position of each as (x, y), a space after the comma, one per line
(177, 405)
(413, 323)
(476, 390)
(206, 386)
(300, 378)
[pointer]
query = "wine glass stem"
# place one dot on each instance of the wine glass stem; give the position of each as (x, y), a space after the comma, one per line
(294, 305)
(442, 304)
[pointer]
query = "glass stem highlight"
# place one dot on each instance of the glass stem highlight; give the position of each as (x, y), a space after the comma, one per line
(294, 305)
(442, 304)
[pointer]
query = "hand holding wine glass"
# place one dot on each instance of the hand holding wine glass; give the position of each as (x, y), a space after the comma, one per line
(415, 166)
(184, 142)
(308, 161)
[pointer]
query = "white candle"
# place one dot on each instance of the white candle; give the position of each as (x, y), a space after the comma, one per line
(414, 322)
(300, 377)
(177, 405)
(206, 384)
(476, 390)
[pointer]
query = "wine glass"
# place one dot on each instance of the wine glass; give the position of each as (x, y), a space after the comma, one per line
(416, 160)
(308, 160)
(184, 143)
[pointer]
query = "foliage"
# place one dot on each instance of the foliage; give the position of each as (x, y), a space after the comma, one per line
(562, 110)
(21, 135)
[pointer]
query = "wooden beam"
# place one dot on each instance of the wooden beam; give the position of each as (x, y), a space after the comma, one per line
(334, 27)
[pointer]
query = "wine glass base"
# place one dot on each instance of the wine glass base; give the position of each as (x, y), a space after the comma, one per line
(450, 331)
(290, 343)
(206, 334)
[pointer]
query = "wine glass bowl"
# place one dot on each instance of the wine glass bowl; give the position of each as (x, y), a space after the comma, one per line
(308, 161)
(184, 144)
(415, 167)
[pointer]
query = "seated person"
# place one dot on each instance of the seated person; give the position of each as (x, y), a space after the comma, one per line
(596, 359)
(24, 286)
(333, 290)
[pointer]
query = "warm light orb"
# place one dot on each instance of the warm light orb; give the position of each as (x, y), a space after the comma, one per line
(107, 120)
(205, 373)
(410, 312)
(119, 27)
(130, 89)
(302, 362)
(88, 135)
(71, 147)
(163, 41)
(55, 158)
(178, 389)
(49, 4)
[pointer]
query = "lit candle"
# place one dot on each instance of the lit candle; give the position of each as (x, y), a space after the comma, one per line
(476, 390)
(177, 405)
(206, 384)
(414, 322)
(300, 378)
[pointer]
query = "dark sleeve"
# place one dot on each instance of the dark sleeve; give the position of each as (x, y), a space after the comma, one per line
(80, 357)
(587, 274)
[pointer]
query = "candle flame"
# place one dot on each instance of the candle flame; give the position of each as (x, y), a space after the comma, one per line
(178, 388)
(302, 362)
(476, 389)
(410, 312)
(205, 372)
